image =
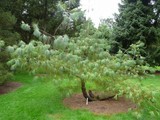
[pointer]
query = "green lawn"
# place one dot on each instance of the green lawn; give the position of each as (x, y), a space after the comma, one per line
(41, 99)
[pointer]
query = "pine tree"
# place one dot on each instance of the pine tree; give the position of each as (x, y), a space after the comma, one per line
(137, 22)
(9, 37)
(45, 12)
(7, 33)
(4, 73)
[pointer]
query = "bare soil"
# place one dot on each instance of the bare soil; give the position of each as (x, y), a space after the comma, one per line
(106, 107)
(157, 73)
(8, 87)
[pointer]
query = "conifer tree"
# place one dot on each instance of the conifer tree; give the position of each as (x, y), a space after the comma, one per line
(48, 13)
(87, 59)
(4, 73)
(9, 37)
(7, 33)
(138, 20)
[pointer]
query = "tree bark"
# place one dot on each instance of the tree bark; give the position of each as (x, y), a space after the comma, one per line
(93, 97)
(84, 91)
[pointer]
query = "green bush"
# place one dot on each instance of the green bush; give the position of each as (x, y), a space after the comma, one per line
(4, 74)
(4, 57)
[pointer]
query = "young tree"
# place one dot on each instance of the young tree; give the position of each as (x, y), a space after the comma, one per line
(87, 58)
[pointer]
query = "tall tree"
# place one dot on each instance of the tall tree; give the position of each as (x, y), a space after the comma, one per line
(7, 33)
(7, 37)
(138, 21)
(44, 12)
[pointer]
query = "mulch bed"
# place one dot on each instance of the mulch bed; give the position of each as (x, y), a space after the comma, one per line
(8, 87)
(157, 73)
(106, 107)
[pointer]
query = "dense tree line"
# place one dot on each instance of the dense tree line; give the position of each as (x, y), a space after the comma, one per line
(139, 21)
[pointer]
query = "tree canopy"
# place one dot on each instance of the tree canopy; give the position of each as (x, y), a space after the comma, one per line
(48, 13)
(139, 20)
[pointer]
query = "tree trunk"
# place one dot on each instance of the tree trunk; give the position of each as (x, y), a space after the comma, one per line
(84, 91)
(91, 96)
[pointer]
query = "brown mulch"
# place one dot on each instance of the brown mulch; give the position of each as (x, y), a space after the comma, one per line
(157, 73)
(8, 87)
(105, 107)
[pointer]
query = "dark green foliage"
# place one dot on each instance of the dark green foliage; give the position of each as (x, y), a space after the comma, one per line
(7, 33)
(4, 73)
(6, 20)
(44, 12)
(10, 37)
(138, 21)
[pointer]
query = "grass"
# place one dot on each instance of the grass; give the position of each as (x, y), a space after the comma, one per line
(154, 80)
(41, 99)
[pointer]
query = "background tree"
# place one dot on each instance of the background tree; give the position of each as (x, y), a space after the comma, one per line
(138, 21)
(9, 37)
(7, 32)
(48, 13)
(109, 22)
(4, 73)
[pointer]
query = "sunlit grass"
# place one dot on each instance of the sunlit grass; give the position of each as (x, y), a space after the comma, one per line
(42, 99)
